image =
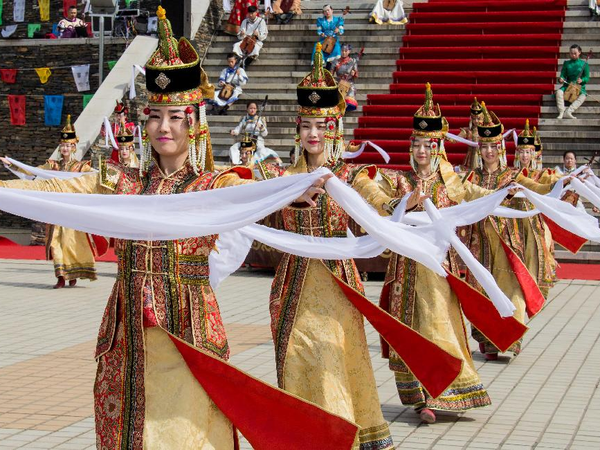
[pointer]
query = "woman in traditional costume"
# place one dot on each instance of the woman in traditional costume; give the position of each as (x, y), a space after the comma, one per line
(145, 395)
(470, 133)
(496, 239)
(346, 72)
(285, 10)
(388, 12)
(416, 295)
(537, 238)
(71, 251)
(126, 150)
(320, 344)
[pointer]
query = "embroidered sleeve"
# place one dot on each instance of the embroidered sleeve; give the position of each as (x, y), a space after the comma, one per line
(372, 192)
(87, 184)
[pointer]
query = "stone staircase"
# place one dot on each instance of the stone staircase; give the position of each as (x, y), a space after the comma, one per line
(581, 135)
(285, 60)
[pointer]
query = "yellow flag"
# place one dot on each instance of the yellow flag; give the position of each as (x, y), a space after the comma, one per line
(44, 73)
(44, 10)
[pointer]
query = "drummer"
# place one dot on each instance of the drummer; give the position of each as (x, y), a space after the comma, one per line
(253, 32)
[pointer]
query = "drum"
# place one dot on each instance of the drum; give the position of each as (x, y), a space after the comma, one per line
(328, 44)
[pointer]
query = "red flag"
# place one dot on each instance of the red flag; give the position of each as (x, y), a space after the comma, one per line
(268, 417)
(435, 368)
(16, 103)
(481, 312)
(9, 76)
(568, 240)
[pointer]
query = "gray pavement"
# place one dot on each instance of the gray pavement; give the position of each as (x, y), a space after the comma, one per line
(547, 398)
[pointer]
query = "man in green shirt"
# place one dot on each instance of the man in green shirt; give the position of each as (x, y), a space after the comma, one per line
(574, 70)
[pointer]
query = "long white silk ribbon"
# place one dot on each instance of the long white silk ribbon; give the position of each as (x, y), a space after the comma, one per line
(356, 154)
(44, 174)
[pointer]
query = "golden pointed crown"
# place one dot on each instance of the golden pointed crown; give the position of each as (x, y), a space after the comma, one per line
(428, 120)
(526, 137)
(68, 134)
(491, 129)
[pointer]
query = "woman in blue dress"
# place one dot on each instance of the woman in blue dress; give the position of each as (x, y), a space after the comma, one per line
(328, 25)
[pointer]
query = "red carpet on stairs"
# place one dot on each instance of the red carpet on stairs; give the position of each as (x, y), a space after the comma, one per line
(505, 52)
(578, 271)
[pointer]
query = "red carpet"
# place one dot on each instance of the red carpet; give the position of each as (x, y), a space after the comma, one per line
(502, 51)
(578, 271)
(12, 250)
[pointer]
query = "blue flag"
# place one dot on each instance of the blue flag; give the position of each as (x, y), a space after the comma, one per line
(53, 105)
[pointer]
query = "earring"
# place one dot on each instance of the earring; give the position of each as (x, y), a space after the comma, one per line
(146, 155)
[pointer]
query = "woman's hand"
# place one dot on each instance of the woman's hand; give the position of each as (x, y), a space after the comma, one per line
(314, 190)
(221, 83)
(513, 189)
(5, 161)
(417, 197)
(234, 133)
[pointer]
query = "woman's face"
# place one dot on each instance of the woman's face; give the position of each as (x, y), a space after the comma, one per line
(66, 149)
(245, 156)
(125, 153)
(167, 128)
(574, 53)
(328, 12)
(421, 148)
(569, 161)
(312, 131)
(490, 152)
(525, 155)
(251, 109)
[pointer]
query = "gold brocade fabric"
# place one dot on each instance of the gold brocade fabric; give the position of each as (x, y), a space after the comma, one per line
(327, 360)
(424, 301)
(485, 244)
(179, 413)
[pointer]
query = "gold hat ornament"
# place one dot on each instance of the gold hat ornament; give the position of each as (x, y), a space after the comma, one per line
(476, 108)
(429, 123)
(319, 97)
(174, 77)
(68, 134)
(525, 143)
(491, 130)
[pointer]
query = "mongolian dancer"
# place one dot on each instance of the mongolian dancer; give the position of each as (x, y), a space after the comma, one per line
(346, 72)
(126, 151)
(329, 29)
(145, 394)
(470, 133)
(535, 235)
(72, 251)
(388, 12)
(417, 296)
(320, 344)
(495, 241)
(256, 126)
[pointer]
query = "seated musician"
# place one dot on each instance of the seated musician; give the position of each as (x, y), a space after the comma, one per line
(253, 32)
(231, 80)
(285, 10)
(575, 70)
(328, 28)
(66, 27)
(389, 12)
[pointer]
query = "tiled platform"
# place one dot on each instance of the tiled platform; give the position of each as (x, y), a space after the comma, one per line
(546, 398)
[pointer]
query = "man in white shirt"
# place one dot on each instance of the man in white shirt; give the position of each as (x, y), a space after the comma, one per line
(253, 27)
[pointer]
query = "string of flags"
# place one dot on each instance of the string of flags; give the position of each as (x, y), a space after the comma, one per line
(80, 74)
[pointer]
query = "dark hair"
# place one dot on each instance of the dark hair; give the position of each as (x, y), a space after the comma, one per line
(569, 151)
(72, 7)
(232, 55)
(577, 47)
(252, 9)
(251, 102)
(292, 151)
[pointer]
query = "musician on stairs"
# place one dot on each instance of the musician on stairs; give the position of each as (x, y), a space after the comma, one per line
(253, 32)
(389, 12)
(231, 80)
(574, 76)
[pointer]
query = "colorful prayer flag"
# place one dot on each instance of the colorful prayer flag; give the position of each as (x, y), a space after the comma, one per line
(53, 106)
(81, 75)
(19, 11)
(44, 10)
(86, 99)
(111, 64)
(32, 28)
(44, 73)
(8, 30)
(1, 1)
(16, 103)
(67, 4)
(9, 76)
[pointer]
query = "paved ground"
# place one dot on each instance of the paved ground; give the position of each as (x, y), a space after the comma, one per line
(546, 398)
